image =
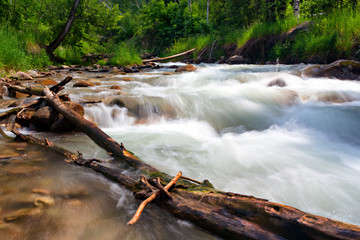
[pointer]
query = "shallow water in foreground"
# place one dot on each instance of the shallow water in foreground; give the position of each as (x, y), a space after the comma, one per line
(297, 145)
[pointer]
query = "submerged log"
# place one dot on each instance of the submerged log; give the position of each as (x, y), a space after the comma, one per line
(168, 58)
(229, 215)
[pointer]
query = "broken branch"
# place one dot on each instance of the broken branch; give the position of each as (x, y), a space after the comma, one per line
(151, 198)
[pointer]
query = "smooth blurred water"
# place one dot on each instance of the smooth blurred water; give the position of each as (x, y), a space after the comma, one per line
(297, 145)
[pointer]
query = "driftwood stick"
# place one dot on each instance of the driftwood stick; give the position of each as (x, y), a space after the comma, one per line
(58, 87)
(191, 180)
(18, 109)
(38, 91)
(151, 198)
(95, 133)
(161, 188)
(168, 58)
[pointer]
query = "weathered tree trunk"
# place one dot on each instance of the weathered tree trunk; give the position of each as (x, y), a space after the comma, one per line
(54, 44)
(170, 57)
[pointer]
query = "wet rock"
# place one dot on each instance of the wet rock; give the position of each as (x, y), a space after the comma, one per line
(168, 73)
(21, 213)
(277, 82)
(173, 67)
(114, 101)
(44, 201)
(341, 69)
(83, 83)
(115, 70)
(51, 68)
(44, 117)
(126, 79)
(47, 82)
(116, 87)
(186, 68)
(63, 124)
(22, 76)
(64, 67)
(40, 191)
(236, 59)
(334, 97)
(34, 74)
(127, 70)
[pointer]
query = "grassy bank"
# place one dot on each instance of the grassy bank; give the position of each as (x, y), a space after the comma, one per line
(18, 51)
(332, 36)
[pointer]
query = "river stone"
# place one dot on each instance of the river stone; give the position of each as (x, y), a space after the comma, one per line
(34, 74)
(47, 82)
(116, 87)
(127, 79)
(21, 213)
(115, 70)
(44, 117)
(22, 76)
(236, 59)
(114, 101)
(83, 83)
(63, 124)
(277, 82)
(44, 201)
(341, 69)
(186, 68)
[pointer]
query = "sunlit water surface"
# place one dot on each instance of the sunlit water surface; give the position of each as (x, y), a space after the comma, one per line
(297, 145)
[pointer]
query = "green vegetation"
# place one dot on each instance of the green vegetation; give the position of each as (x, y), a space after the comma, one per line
(122, 29)
(18, 51)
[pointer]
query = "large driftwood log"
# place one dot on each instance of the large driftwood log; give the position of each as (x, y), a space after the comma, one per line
(96, 134)
(168, 58)
(229, 215)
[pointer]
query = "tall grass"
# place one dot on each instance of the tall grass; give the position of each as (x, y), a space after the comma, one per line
(124, 54)
(332, 36)
(19, 52)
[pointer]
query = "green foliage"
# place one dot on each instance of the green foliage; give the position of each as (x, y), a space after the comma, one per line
(184, 44)
(162, 23)
(124, 54)
(14, 53)
(332, 36)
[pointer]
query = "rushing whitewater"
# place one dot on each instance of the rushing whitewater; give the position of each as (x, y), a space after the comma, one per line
(297, 145)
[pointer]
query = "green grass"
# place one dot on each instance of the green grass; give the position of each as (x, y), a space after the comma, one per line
(19, 52)
(331, 37)
(124, 54)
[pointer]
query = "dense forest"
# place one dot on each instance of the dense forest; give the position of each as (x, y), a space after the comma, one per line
(119, 32)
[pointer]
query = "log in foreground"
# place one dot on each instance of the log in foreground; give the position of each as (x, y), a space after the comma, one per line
(229, 215)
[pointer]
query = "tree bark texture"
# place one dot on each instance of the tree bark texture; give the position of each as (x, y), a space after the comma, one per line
(54, 44)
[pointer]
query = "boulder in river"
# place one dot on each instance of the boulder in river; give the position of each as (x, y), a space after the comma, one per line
(277, 82)
(44, 117)
(22, 76)
(186, 68)
(64, 125)
(341, 69)
(83, 83)
(34, 74)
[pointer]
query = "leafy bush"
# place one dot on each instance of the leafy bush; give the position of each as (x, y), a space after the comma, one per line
(125, 54)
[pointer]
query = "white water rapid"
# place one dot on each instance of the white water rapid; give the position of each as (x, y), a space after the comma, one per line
(297, 145)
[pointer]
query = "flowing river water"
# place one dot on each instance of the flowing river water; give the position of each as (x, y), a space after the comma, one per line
(297, 145)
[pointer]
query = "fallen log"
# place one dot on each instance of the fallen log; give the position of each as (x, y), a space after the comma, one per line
(39, 91)
(229, 215)
(168, 58)
(96, 134)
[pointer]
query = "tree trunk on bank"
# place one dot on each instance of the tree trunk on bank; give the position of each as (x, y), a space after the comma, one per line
(207, 11)
(54, 44)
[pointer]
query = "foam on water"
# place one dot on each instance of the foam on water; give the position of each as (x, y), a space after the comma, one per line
(297, 145)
